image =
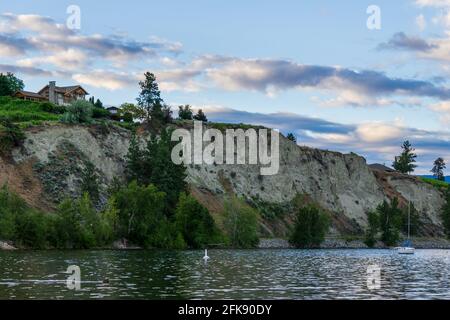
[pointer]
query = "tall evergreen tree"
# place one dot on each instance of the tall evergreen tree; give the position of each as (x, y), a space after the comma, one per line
(98, 104)
(438, 169)
(291, 137)
(149, 99)
(405, 162)
(154, 166)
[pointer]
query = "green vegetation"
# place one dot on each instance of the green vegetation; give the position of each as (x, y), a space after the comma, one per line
(154, 165)
(16, 110)
(10, 136)
(435, 183)
(200, 116)
(241, 223)
(185, 113)
(372, 231)
(445, 214)
(311, 225)
(10, 84)
(438, 169)
(79, 111)
(75, 224)
(291, 137)
(89, 183)
(405, 162)
(388, 221)
(195, 223)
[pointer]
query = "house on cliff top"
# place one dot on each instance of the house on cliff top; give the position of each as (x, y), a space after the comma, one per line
(58, 95)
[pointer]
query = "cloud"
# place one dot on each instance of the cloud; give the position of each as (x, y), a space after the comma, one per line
(104, 79)
(275, 75)
(433, 3)
(13, 46)
(421, 22)
(401, 41)
(28, 70)
(21, 34)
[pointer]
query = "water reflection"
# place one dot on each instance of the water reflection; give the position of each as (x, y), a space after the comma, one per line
(246, 274)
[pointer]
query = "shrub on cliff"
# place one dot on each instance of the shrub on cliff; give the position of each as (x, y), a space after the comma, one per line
(79, 111)
(10, 136)
(310, 227)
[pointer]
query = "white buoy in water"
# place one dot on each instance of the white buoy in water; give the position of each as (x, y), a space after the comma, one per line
(206, 258)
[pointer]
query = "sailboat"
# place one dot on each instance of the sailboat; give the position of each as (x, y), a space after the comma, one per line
(407, 247)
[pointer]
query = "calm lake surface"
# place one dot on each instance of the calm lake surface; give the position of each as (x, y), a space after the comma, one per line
(229, 274)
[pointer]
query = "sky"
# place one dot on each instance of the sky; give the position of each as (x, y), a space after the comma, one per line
(313, 68)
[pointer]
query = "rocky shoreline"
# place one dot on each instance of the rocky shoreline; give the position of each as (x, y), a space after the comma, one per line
(419, 243)
(278, 243)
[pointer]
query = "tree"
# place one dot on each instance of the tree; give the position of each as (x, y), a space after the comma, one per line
(200, 116)
(195, 223)
(142, 219)
(89, 182)
(154, 165)
(405, 162)
(445, 215)
(241, 223)
(132, 110)
(372, 230)
(10, 84)
(438, 169)
(149, 100)
(185, 112)
(98, 104)
(291, 137)
(159, 169)
(311, 225)
(79, 111)
(77, 224)
(390, 217)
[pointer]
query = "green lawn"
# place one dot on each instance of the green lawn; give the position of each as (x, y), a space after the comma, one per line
(19, 111)
(436, 183)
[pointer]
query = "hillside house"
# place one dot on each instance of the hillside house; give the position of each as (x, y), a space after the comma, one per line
(58, 95)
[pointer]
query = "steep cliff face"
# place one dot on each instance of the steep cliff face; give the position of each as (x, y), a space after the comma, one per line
(48, 166)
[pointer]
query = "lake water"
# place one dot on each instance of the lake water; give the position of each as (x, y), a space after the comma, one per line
(229, 274)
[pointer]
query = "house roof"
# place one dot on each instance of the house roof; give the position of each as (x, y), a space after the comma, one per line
(30, 94)
(67, 89)
(112, 108)
(381, 167)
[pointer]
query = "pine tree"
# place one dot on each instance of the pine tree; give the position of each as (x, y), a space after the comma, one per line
(134, 165)
(149, 99)
(98, 104)
(438, 169)
(291, 137)
(405, 162)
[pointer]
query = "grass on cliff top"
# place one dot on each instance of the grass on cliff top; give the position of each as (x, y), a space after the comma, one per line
(20, 111)
(435, 183)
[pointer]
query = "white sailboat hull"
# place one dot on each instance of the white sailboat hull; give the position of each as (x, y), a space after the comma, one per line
(405, 250)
